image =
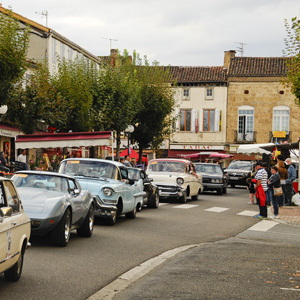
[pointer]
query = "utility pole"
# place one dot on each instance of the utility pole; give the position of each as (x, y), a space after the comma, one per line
(241, 48)
(110, 40)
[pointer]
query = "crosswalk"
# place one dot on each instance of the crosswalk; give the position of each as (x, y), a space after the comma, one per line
(262, 226)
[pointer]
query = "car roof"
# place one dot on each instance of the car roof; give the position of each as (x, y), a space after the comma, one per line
(209, 164)
(171, 159)
(116, 163)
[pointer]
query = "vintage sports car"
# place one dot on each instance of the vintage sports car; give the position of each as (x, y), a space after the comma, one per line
(144, 183)
(114, 193)
(213, 177)
(175, 178)
(56, 204)
(14, 231)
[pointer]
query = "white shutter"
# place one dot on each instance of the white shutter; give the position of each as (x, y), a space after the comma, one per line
(193, 120)
(217, 120)
(177, 122)
(200, 119)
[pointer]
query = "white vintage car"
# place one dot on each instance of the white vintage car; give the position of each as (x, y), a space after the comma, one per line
(175, 178)
(14, 231)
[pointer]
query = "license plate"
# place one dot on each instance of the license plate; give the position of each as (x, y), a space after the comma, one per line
(233, 178)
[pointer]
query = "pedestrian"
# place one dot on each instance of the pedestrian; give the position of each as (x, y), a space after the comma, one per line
(127, 161)
(133, 162)
(261, 185)
(274, 183)
(289, 190)
(3, 162)
(251, 189)
(122, 160)
(22, 156)
(282, 171)
(269, 190)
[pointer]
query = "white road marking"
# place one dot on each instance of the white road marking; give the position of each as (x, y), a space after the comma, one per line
(249, 213)
(217, 209)
(264, 225)
(291, 289)
(161, 204)
(185, 206)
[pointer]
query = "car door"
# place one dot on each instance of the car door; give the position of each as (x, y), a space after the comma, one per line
(127, 191)
(75, 198)
(10, 233)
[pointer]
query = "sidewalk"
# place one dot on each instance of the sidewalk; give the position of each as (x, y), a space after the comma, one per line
(290, 214)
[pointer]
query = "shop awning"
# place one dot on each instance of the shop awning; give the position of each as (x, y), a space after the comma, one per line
(61, 140)
(9, 131)
(255, 148)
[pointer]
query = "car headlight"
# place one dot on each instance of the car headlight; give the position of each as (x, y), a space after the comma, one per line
(180, 181)
(107, 191)
(216, 181)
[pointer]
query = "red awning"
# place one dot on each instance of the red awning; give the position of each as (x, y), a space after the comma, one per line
(61, 140)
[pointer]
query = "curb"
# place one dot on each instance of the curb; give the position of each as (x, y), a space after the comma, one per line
(123, 281)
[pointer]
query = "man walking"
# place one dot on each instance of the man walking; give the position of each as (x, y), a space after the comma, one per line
(289, 182)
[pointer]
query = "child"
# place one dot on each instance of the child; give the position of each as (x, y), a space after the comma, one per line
(251, 189)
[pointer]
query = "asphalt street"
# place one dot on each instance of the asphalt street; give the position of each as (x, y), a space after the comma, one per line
(259, 263)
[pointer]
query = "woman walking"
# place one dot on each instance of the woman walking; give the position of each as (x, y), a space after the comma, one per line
(274, 183)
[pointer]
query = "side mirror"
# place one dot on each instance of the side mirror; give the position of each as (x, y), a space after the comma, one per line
(76, 192)
(5, 212)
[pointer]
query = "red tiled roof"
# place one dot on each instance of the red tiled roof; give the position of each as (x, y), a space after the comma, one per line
(257, 66)
(197, 74)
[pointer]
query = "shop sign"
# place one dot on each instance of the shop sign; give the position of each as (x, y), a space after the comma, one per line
(196, 147)
(279, 134)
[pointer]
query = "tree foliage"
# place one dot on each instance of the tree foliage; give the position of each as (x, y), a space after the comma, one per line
(292, 52)
(13, 48)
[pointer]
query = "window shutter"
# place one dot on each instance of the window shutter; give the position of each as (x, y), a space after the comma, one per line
(177, 122)
(194, 117)
(200, 119)
(217, 120)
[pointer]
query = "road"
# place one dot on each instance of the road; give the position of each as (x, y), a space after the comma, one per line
(88, 264)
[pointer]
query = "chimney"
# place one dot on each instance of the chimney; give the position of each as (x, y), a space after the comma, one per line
(227, 57)
(113, 52)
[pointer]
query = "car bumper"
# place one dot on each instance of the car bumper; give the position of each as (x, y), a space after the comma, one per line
(170, 191)
(104, 210)
(213, 186)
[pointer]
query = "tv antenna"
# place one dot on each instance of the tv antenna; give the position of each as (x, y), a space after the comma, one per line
(110, 40)
(241, 48)
(44, 13)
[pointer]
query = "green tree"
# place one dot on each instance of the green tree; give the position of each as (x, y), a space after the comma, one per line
(292, 52)
(153, 120)
(13, 47)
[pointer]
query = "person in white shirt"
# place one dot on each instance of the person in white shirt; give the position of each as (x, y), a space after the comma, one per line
(22, 157)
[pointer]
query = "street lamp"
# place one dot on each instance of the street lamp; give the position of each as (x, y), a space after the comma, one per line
(129, 130)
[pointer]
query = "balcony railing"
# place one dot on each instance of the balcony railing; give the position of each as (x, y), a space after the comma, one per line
(280, 140)
(245, 137)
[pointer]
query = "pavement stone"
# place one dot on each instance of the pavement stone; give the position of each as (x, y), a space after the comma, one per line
(290, 214)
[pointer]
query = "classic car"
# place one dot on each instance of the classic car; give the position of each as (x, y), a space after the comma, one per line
(113, 192)
(238, 172)
(175, 178)
(151, 198)
(14, 231)
(56, 204)
(213, 177)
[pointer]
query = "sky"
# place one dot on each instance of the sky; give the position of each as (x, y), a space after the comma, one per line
(171, 32)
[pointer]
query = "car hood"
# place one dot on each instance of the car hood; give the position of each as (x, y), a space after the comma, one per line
(94, 185)
(37, 200)
(205, 175)
(237, 171)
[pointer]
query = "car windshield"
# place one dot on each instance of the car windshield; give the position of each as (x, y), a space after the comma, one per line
(240, 166)
(54, 183)
(89, 168)
(208, 168)
(134, 174)
(166, 166)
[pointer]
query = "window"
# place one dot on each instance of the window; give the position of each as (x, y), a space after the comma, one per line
(186, 94)
(281, 118)
(11, 196)
(185, 119)
(208, 120)
(246, 123)
(209, 93)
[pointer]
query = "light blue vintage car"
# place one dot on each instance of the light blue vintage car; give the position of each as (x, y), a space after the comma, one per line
(108, 181)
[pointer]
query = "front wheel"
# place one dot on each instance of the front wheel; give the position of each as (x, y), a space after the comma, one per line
(88, 224)
(219, 192)
(60, 235)
(154, 200)
(14, 273)
(183, 198)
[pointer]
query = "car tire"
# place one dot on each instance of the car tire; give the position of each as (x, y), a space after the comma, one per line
(132, 214)
(14, 273)
(60, 235)
(183, 198)
(111, 221)
(220, 192)
(88, 225)
(154, 200)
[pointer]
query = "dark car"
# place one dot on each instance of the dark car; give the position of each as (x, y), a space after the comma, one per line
(238, 172)
(151, 199)
(213, 177)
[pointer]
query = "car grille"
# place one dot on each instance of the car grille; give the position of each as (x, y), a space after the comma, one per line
(168, 189)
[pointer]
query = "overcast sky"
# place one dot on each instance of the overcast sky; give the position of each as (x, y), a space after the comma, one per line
(172, 32)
